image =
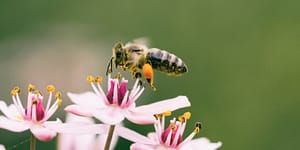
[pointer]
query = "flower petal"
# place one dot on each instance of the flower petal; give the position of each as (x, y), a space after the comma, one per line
(140, 118)
(165, 105)
(70, 118)
(12, 125)
(42, 133)
(79, 110)
(76, 142)
(9, 111)
(109, 115)
(153, 136)
(79, 141)
(76, 127)
(2, 147)
(88, 99)
(133, 136)
(138, 146)
(201, 143)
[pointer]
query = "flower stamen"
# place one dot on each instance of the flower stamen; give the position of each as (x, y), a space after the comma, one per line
(98, 79)
(183, 118)
(31, 88)
(50, 88)
(90, 79)
(15, 96)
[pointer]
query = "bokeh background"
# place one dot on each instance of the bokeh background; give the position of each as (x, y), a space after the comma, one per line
(243, 59)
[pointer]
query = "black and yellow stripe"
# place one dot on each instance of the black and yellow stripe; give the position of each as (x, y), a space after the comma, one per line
(166, 62)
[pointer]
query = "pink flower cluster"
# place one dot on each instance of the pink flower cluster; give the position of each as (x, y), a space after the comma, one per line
(111, 108)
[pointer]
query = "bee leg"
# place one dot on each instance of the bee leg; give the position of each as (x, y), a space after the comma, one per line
(138, 76)
(109, 67)
(149, 75)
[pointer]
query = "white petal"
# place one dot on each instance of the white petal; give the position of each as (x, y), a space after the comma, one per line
(138, 146)
(165, 105)
(70, 118)
(76, 141)
(42, 133)
(201, 143)
(133, 136)
(79, 110)
(13, 125)
(88, 99)
(140, 118)
(76, 127)
(109, 115)
(153, 137)
(9, 111)
(2, 147)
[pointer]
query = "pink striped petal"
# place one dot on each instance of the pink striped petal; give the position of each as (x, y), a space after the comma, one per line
(79, 110)
(165, 105)
(109, 115)
(88, 99)
(42, 133)
(140, 118)
(132, 135)
(201, 143)
(12, 125)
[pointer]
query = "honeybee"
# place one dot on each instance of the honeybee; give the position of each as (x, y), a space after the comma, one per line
(137, 57)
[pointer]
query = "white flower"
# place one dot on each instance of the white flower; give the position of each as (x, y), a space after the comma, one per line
(82, 141)
(119, 103)
(169, 138)
(34, 116)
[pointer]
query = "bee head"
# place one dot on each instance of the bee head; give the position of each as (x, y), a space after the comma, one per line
(119, 54)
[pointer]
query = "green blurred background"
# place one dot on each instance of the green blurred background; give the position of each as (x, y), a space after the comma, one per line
(243, 59)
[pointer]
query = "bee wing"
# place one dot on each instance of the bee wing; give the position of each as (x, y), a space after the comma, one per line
(142, 41)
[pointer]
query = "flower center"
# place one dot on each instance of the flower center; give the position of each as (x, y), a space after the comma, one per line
(171, 132)
(37, 110)
(119, 95)
(172, 136)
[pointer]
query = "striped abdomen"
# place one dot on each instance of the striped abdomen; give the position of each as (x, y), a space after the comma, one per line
(166, 62)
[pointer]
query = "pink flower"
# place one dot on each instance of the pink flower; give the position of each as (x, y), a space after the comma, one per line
(34, 116)
(169, 138)
(82, 141)
(119, 103)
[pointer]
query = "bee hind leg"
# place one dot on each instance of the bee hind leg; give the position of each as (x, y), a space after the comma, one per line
(149, 75)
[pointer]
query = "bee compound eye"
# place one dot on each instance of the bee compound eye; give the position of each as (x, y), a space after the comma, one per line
(118, 53)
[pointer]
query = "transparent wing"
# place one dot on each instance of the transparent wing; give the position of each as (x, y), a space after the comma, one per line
(142, 41)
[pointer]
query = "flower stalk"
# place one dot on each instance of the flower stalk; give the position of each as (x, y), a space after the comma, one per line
(32, 142)
(109, 137)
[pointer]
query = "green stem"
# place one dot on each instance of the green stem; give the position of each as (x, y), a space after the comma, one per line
(109, 137)
(32, 142)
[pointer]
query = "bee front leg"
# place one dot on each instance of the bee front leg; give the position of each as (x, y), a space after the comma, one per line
(138, 76)
(109, 66)
(149, 75)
